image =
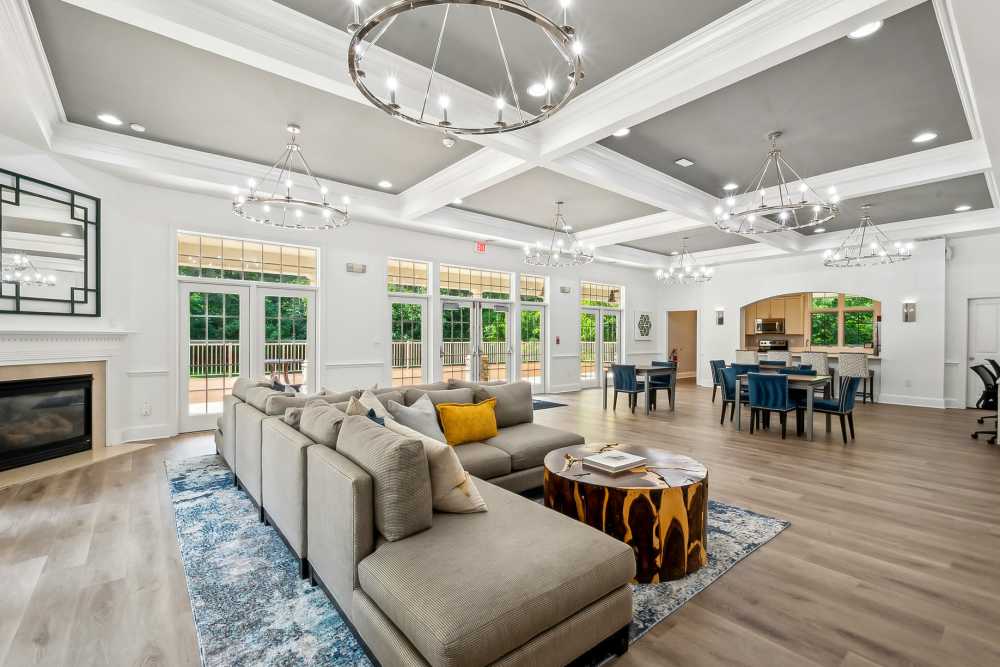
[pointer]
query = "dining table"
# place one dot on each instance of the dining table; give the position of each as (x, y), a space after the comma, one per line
(808, 383)
(646, 372)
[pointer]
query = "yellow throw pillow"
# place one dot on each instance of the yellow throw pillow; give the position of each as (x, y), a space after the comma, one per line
(463, 422)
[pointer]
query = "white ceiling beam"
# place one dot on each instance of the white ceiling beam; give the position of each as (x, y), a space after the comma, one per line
(951, 224)
(636, 229)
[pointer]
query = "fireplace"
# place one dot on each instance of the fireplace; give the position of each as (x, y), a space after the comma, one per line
(44, 418)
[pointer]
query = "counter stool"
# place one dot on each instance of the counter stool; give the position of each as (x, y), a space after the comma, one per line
(820, 361)
(855, 365)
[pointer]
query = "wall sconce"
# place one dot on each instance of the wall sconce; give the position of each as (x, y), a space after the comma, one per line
(909, 311)
(720, 316)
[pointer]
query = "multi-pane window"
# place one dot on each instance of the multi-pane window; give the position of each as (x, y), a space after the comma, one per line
(842, 319)
(476, 283)
(404, 276)
(407, 343)
(532, 288)
(206, 256)
(597, 294)
(214, 332)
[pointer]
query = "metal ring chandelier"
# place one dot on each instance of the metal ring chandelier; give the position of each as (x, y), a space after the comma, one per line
(754, 212)
(16, 268)
(684, 270)
(564, 248)
(272, 202)
(867, 245)
(416, 111)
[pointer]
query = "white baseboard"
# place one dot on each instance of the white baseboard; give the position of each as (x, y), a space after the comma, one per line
(683, 375)
(151, 432)
(954, 403)
(914, 401)
(565, 388)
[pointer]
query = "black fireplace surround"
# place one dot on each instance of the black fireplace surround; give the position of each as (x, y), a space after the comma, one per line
(44, 418)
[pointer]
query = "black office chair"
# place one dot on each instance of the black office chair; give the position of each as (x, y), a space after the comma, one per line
(987, 401)
(996, 367)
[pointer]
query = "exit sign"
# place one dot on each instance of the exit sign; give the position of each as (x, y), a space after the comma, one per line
(481, 247)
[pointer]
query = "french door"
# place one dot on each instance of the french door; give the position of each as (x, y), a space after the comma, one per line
(984, 342)
(285, 346)
(215, 335)
(532, 350)
(408, 324)
(599, 346)
(475, 341)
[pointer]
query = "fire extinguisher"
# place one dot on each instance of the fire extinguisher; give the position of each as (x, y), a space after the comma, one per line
(673, 355)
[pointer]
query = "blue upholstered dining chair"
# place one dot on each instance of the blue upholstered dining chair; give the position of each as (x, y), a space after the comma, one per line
(662, 383)
(773, 364)
(716, 365)
(769, 393)
(743, 369)
(843, 405)
(626, 383)
(729, 384)
(797, 395)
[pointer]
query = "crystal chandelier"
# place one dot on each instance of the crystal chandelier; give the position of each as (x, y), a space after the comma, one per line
(16, 268)
(385, 92)
(564, 248)
(754, 212)
(684, 270)
(867, 245)
(271, 201)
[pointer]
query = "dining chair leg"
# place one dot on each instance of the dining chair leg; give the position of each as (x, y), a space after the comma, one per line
(614, 403)
(843, 427)
(871, 385)
(828, 425)
(784, 424)
(722, 420)
(800, 422)
(864, 390)
(753, 419)
(732, 411)
(850, 422)
(715, 388)
(634, 398)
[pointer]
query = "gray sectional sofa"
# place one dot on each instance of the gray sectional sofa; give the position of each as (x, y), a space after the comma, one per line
(516, 585)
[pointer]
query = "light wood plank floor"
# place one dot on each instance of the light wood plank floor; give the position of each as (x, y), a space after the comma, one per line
(893, 557)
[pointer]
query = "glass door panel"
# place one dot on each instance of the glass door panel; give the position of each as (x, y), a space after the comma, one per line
(456, 341)
(408, 359)
(588, 347)
(532, 348)
(494, 348)
(609, 340)
(288, 339)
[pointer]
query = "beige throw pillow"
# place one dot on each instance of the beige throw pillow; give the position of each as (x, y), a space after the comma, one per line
(452, 489)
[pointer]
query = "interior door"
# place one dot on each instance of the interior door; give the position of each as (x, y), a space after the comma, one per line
(286, 337)
(215, 349)
(984, 342)
(532, 350)
(408, 323)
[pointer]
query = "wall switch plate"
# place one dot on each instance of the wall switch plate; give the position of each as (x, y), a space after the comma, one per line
(147, 409)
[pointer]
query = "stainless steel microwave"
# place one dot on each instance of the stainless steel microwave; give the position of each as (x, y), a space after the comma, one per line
(770, 326)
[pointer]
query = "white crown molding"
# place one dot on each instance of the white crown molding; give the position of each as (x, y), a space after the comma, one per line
(960, 70)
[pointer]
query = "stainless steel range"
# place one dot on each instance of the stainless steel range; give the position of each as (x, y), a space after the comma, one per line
(769, 345)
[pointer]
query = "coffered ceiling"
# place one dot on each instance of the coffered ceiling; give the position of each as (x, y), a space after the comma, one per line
(698, 240)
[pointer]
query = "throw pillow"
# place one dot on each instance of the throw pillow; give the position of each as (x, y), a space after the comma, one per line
(321, 422)
(468, 423)
(355, 408)
(292, 417)
(452, 488)
(463, 395)
(378, 420)
(421, 417)
(514, 403)
(400, 474)
(371, 402)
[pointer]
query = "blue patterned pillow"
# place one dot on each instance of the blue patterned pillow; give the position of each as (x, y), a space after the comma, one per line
(378, 420)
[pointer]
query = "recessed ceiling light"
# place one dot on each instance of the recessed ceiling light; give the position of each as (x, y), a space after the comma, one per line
(683, 162)
(865, 30)
(819, 230)
(729, 187)
(674, 252)
(109, 119)
(66, 234)
(457, 202)
(537, 90)
(385, 185)
(137, 127)
(624, 132)
(924, 137)
(963, 208)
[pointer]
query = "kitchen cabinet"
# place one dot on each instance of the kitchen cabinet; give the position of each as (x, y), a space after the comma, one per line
(749, 319)
(763, 310)
(794, 321)
(777, 309)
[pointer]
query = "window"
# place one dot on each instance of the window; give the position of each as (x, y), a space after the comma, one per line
(286, 332)
(407, 321)
(604, 296)
(842, 320)
(532, 288)
(475, 283)
(205, 256)
(408, 277)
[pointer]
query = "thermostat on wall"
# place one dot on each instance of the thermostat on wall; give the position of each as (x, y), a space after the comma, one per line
(565, 289)
(356, 268)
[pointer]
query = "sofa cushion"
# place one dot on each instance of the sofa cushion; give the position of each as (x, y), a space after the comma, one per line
(464, 395)
(242, 385)
(514, 403)
(477, 586)
(483, 461)
(293, 417)
(528, 444)
(331, 396)
(321, 423)
(455, 383)
(257, 397)
(421, 417)
(400, 476)
(468, 423)
(218, 424)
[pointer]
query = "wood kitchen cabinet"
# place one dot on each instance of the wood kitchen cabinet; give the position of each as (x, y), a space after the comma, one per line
(763, 310)
(777, 309)
(794, 321)
(749, 319)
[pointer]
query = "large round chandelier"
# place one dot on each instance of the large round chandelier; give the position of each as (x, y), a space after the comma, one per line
(564, 249)
(273, 201)
(19, 269)
(380, 85)
(867, 245)
(755, 212)
(685, 270)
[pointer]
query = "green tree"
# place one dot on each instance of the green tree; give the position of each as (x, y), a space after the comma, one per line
(824, 329)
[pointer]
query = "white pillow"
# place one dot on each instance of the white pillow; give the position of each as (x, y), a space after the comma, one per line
(371, 402)
(452, 489)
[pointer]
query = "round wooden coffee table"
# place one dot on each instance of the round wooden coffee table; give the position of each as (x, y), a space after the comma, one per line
(660, 509)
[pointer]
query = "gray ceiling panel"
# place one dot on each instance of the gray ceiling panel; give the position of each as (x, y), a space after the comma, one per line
(195, 99)
(698, 240)
(847, 103)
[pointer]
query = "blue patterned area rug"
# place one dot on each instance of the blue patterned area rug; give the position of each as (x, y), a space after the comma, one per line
(251, 607)
(539, 404)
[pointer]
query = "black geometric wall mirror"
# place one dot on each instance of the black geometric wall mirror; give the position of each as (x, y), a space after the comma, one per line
(50, 249)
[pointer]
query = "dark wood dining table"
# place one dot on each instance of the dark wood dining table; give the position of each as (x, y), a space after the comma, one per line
(646, 372)
(805, 382)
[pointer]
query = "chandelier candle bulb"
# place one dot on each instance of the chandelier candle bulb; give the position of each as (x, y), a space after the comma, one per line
(564, 248)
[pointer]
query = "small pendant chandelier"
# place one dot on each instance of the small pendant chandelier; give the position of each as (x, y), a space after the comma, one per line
(271, 201)
(867, 245)
(19, 269)
(754, 212)
(684, 270)
(564, 248)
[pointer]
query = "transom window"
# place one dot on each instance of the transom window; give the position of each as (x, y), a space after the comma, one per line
(206, 256)
(603, 296)
(843, 320)
(475, 283)
(532, 288)
(408, 277)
